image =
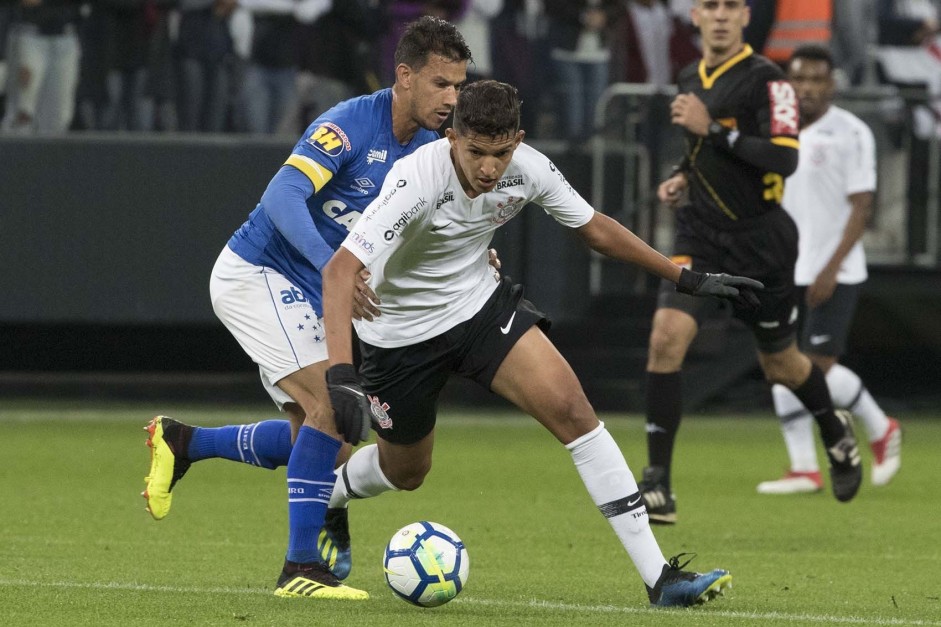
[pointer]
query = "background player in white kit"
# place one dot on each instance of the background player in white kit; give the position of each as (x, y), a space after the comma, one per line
(425, 239)
(830, 197)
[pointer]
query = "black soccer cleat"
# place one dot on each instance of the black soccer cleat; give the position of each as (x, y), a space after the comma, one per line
(660, 501)
(846, 471)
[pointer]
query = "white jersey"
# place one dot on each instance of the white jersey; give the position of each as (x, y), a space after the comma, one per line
(837, 158)
(425, 242)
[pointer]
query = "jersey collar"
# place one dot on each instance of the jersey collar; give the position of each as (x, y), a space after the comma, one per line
(708, 80)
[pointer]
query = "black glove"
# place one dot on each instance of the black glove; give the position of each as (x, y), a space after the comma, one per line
(350, 407)
(738, 289)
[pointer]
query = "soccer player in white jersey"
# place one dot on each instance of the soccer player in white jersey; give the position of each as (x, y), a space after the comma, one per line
(266, 289)
(830, 197)
(424, 240)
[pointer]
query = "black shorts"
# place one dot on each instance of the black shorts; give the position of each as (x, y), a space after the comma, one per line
(824, 329)
(403, 383)
(762, 248)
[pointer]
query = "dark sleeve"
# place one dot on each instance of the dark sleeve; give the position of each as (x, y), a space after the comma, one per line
(774, 149)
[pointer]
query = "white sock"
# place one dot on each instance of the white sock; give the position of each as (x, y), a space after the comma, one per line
(612, 488)
(360, 478)
(848, 392)
(797, 427)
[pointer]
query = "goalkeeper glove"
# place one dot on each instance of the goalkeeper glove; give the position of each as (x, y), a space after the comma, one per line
(350, 407)
(738, 289)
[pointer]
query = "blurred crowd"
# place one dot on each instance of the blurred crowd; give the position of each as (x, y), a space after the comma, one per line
(271, 66)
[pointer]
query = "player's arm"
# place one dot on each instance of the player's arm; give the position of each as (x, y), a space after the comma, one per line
(285, 203)
(350, 408)
(822, 288)
(774, 153)
(611, 238)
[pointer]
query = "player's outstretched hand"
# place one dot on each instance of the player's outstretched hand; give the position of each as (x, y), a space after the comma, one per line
(350, 407)
(738, 289)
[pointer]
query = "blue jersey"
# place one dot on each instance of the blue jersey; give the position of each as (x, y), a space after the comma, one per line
(295, 231)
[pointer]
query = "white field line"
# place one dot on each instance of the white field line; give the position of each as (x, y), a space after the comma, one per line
(532, 604)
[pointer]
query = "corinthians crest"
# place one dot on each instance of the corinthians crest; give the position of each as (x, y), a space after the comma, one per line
(379, 409)
(507, 209)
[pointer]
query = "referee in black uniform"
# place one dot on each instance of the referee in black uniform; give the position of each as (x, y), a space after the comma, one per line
(740, 121)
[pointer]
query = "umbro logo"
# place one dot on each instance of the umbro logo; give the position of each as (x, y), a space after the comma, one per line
(364, 182)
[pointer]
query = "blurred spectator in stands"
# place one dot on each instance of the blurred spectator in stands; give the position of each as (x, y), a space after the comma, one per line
(910, 56)
(205, 52)
(45, 52)
(269, 85)
(650, 44)
(401, 12)
(119, 40)
(474, 23)
(907, 22)
(578, 40)
(336, 54)
(777, 27)
(519, 49)
(854, 35)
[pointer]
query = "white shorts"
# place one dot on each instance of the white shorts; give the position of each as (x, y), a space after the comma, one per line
(270, 318)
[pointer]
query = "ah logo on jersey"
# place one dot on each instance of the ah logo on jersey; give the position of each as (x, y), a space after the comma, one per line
(784, 116)
(330, 140)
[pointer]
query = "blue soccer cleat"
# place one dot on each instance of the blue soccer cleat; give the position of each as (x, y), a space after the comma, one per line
(334, 542)
(678, 588)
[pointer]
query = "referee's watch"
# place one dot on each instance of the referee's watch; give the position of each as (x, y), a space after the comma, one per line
(722, 136)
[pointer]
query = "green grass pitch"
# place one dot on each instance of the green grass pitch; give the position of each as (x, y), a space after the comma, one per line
(77, 548)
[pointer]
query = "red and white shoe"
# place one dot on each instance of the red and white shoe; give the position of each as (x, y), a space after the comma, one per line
(887, 454)
(793, 483)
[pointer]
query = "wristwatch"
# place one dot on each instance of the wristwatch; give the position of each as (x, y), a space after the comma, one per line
(722, 136)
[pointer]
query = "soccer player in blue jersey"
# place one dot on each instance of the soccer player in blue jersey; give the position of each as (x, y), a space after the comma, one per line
(266, 289)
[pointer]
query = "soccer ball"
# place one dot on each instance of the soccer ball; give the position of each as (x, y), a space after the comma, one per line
(426, 564)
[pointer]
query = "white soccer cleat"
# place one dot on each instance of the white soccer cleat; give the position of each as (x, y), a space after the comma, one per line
(887, 454)
(793, 483)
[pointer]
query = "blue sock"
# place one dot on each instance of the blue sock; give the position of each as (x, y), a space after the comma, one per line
(310, 484)
(266, 444)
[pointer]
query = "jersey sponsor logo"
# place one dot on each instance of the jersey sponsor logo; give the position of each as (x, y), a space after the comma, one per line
(506, 210)
(511, 181)
(292, 296)
(406, 216)
(447, 197)
(377, 155)
(339, 212)
(330, 140)
(401, 183)
(784, 115)
(552, 168)
(363, 243)
(380, 412)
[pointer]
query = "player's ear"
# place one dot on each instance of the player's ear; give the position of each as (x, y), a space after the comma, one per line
(403, 75)
(520, 134)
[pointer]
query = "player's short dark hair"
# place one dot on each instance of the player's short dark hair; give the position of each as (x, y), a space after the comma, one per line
(427, 36)
(812, 52)
(487, 108)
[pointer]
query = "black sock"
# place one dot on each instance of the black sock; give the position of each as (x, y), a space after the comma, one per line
(815, 396)
(664, 410)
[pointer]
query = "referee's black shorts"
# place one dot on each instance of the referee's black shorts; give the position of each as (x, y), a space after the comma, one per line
(762, 248)
(403, 383)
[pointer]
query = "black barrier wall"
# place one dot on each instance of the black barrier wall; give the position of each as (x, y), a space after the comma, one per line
(124, 229)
